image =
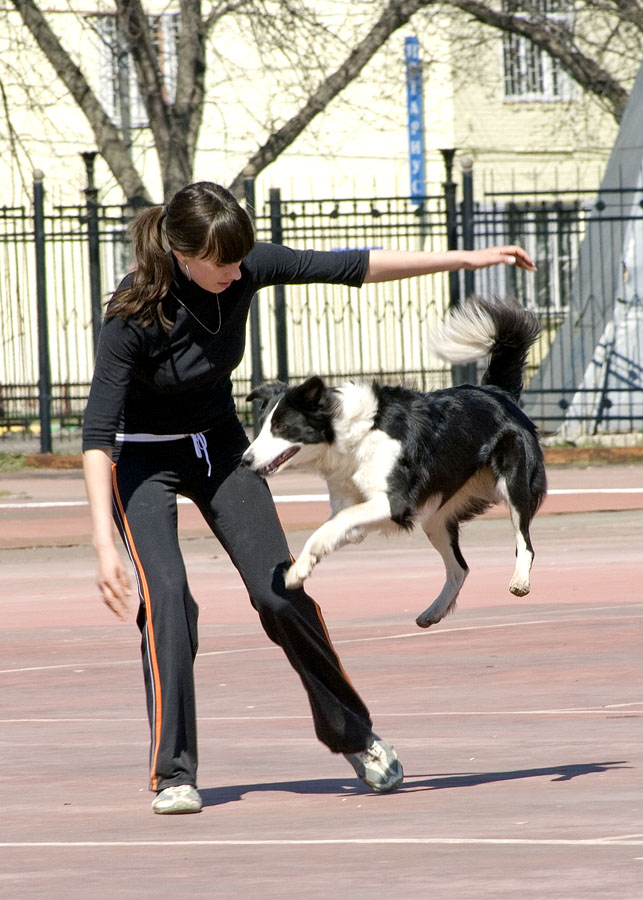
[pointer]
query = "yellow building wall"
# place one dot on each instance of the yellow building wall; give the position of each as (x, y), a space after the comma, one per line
(358, 146)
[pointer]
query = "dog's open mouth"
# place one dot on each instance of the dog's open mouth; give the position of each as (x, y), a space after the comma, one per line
(272, 467)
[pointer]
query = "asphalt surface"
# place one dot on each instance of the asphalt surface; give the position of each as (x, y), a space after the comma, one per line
(518, 720)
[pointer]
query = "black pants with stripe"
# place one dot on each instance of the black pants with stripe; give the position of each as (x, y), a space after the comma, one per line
(238, 507)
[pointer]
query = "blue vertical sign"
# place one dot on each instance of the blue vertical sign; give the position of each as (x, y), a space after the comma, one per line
(415, 117)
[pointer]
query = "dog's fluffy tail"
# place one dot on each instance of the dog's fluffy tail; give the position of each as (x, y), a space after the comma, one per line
(479, 327)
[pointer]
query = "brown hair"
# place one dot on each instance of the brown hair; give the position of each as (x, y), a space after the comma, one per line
(202, 220)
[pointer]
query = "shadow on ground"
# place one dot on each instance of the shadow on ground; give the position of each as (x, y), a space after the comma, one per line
(412, 783)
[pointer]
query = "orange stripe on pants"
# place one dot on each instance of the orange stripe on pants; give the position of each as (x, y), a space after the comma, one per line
(321, 618)
(151, 642)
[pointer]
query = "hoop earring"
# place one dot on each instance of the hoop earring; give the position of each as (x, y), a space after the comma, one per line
(187, 272)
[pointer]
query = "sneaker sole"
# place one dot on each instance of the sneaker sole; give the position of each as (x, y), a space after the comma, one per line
(177, 809)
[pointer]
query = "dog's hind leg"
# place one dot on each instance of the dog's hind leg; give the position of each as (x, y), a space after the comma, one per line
(444, 535)
(518, 503)
(522, 483)
(519, 584)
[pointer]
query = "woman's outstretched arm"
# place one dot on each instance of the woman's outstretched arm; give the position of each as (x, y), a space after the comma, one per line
(391, 265)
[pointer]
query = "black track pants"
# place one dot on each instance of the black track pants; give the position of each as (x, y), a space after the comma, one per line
(238, 507)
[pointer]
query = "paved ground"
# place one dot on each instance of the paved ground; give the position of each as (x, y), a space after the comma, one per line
(518, 721)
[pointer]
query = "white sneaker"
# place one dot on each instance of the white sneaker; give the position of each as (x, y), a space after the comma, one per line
(180, 798)
(378, 766)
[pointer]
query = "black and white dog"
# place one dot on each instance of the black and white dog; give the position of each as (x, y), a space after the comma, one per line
(393, 456)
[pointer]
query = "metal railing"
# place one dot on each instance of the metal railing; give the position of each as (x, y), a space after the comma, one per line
(59, 264)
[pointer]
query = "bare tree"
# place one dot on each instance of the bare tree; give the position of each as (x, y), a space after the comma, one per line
(561, 41)
(175, 122)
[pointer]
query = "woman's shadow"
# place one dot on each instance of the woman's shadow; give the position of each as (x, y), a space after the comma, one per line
(412, 783)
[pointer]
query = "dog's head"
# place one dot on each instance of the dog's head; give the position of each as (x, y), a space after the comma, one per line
(267, 396)
(294, 419)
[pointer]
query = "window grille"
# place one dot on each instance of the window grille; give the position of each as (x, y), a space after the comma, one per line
(119, 92)
(529, 73)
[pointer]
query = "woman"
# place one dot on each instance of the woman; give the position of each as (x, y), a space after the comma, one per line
(161, 394)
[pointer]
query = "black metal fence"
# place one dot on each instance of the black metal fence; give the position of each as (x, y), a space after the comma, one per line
(58, 264)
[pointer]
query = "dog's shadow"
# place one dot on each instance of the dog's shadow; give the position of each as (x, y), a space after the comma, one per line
(346, 787)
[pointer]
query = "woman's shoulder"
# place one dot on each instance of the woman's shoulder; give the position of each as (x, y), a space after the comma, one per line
(119, 328)
(261, 252)
(266, 258)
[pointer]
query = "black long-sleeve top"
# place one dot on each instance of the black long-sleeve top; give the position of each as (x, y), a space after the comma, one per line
(147, 380)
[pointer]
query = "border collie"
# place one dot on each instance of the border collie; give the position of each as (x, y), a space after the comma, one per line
(393, 456)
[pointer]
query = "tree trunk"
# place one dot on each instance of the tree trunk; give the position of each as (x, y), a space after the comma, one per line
(108, 138)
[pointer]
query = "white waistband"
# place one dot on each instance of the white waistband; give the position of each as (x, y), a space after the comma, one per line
(198, 440)
(142, 437)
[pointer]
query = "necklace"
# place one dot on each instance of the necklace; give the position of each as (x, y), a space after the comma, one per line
(196, 318)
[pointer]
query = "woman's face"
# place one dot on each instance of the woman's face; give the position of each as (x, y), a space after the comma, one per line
(208, 274)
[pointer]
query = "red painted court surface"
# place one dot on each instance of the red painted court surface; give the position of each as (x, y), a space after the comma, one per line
(518, 720)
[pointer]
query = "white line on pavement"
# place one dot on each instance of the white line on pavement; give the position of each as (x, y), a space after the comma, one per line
(310, 498)
(634, 841)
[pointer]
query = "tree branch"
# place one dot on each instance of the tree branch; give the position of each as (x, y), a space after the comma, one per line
(223, 9)
(396, 14)
(190, 89)
(108, 139)
(630, 11)
(557, 40)
(175, 126)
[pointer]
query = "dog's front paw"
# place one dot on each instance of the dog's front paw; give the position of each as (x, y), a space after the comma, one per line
(292, 579)
(299, 572)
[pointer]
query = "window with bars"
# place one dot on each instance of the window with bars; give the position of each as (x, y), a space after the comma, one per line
(552, 235)
(529, 73)
(119, 91)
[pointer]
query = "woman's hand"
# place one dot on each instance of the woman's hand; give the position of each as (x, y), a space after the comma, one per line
(113, 581)
(510, 255)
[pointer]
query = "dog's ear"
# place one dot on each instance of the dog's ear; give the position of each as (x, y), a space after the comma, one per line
(265, 392)
(308, 395)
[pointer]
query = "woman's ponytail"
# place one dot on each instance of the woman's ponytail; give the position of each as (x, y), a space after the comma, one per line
(141, 296)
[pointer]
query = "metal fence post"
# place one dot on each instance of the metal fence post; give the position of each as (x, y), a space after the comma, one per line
(469, 370)
(467, 220)
(256, 376)
(93, 247)
(44, 366)
(281, 326)
(452, 223)
(458, 372)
